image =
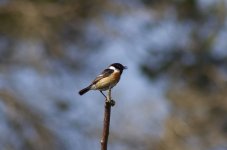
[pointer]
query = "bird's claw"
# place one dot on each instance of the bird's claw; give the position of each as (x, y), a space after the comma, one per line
(111, 102)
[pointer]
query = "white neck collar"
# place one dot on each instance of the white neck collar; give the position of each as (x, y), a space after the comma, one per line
(113, 68)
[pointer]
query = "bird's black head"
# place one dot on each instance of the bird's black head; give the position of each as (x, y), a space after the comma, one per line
(118, 66)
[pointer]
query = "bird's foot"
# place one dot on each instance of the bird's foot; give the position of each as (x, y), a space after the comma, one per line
(111, 102)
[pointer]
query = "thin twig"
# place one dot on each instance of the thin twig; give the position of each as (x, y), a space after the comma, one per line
(106, 124)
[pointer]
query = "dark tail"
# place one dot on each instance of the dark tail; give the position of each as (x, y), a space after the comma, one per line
(85, 90)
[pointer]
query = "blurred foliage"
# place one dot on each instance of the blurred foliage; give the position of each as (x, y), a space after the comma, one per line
(197, 120)
(21, 119)
(36, 34)
(45, 18)
(53, 23)
(197, 91)
(199, 68)
(195, 62)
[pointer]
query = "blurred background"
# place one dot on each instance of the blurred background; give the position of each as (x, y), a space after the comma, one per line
(172, 97)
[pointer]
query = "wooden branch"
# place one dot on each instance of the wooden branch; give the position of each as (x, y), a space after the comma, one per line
(106, 122)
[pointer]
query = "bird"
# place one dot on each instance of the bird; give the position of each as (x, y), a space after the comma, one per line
(106, 80)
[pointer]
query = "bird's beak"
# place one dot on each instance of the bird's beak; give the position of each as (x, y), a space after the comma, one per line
(125, 67)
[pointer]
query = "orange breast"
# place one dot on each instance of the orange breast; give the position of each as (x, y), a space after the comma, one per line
(109, 81)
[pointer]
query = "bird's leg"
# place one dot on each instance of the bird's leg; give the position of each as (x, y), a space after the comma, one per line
(103, 95)
(109, 99)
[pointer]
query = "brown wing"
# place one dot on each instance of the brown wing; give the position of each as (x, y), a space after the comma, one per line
(104, 74)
